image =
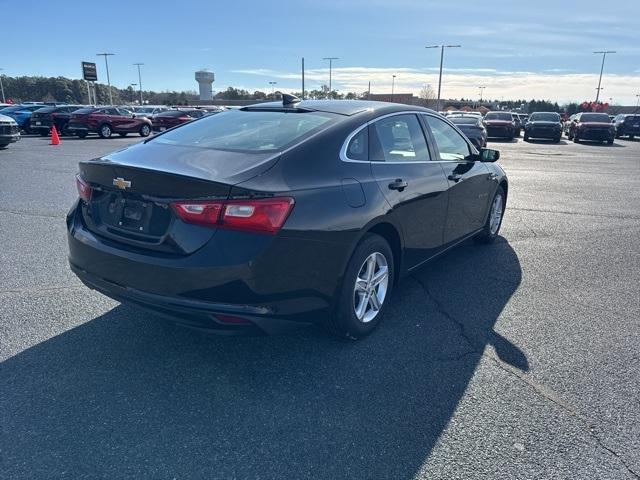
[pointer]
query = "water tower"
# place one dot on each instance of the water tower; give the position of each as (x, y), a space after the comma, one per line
(205, 79)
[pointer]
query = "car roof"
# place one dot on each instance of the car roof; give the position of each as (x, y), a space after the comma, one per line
(340, 107)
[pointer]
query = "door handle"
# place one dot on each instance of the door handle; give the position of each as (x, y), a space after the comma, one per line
(398, 184)
(455, 178)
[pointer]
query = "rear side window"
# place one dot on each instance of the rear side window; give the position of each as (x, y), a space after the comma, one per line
(248, 130)
(358, 148)
(449, 143)
(398, 138)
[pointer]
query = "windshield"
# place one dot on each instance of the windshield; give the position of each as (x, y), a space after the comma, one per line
(498, 116)
(252, 131)
(143, 109)
(544, 117)
(595, 117)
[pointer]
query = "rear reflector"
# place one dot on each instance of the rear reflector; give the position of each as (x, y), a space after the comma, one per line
(231, 320)
(261, 216)
(84, 190)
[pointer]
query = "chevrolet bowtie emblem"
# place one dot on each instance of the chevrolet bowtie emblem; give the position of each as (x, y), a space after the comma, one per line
(121, 183)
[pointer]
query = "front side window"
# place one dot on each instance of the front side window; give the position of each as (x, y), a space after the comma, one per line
(398, 138)
(449, 143)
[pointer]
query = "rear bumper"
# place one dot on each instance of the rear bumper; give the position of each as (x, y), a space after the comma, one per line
(274, 285)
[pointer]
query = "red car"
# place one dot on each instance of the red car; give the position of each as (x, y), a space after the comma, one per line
(500, 125)
(592, 126)
(173, 118)
(107, 120)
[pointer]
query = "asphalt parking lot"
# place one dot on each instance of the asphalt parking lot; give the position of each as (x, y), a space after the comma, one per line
(517, 360)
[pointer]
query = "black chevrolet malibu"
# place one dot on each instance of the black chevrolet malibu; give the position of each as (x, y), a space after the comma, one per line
(257, 219)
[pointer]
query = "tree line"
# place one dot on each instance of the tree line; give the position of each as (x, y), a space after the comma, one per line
(62, 89)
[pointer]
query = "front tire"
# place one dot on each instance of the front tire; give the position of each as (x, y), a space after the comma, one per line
(494, 220)
(366, 288)
(145, 130)
(105, 131)
(576, 138)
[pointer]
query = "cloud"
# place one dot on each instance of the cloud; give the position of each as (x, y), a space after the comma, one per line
(556, 84)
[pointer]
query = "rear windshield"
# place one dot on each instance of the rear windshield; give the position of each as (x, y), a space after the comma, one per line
(595, 117)
(84, 110)
(46, 110)
(544, 117)
(498, 116)
(249, 131)
(632, 118)
(464, 120)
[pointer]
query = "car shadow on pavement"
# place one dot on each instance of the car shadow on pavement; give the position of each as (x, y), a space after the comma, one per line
(127, 395)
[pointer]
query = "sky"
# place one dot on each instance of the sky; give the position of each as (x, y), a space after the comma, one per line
(516, 49)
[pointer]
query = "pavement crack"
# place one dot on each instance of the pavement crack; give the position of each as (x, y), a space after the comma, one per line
(31, 214)
(564, 212)
(550, 396)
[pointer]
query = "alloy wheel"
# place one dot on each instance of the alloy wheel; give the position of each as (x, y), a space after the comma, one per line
(371, 287)
(495, 215)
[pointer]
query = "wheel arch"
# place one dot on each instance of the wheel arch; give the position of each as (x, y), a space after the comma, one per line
(391, 234)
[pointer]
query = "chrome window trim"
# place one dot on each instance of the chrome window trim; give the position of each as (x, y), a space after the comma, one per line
(345, 145)
(343, 150)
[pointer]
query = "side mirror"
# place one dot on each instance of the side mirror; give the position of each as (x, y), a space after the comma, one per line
(489, 155)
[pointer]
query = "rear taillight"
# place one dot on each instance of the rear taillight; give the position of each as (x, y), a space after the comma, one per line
(84, 190)
(261, 216)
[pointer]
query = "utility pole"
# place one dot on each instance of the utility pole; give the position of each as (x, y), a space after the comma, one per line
(302, 78)
(604, 56)
(2, 88)
(481, 90)
(331, 59)
(106, 64)
(393, 84)
(139, 80)
(273, 89)
(369, 91)
(441, 47)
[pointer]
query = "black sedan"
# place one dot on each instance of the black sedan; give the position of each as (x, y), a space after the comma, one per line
(283, 213)
(543, 125)
(473, 127)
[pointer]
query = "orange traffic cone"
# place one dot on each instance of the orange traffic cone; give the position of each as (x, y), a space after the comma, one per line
(55, 139)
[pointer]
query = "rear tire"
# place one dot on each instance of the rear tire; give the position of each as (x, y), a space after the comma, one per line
(3, 145)
(366, 288)
(526, 137)
(631, 137)
(494, 219)
(576, 139)
(105, 131)
(82, 135)
(557, 140)
(610, 141)
(44, 133)
(123, 134)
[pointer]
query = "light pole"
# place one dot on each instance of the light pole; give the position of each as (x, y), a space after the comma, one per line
(393, 84)
(132, 90)
(331, 59)
(106, 64)
(441, 47)
(481, 91)
(637, 103)
(2, 87)
(139, 80)
(273, 89)
(604, 56)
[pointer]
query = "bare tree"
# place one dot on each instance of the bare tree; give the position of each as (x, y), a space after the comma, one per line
(427, 95)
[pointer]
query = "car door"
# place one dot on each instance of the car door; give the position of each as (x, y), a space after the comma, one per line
(470, 185)
(413, 185)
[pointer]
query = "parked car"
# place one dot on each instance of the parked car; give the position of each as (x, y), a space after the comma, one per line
(518, 124)
(472, 127)
(9, 131)
(524, 118)
(22, 114)
(172, 118)
(282, 213)
(500, 125)
(543, 125)
(566, 126)
(592, 126)
(627, 125)
(44, 118)
(106, 121)
(149, 111)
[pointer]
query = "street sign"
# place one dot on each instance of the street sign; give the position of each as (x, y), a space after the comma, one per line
(89, 71)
